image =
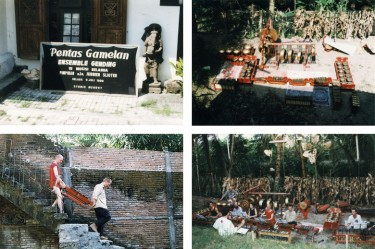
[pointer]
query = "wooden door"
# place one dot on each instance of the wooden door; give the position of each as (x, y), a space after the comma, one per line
(31, 27)
(109, 21)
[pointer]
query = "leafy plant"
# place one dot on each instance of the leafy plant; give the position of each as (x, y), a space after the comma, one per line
(340, 5)
(179, 67)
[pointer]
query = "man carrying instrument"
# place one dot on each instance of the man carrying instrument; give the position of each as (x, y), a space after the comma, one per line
(99, 203)
(55, 181)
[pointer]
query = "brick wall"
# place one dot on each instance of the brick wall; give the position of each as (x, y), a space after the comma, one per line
(123, 159)
(137, 203)
(17, 230)
(137, 199)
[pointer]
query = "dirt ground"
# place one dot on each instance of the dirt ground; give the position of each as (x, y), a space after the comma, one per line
(251, 105)
(325, 236)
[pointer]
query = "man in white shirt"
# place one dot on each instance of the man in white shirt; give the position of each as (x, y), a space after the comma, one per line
(290, 215)
(224, 226)
(99, 203)
(354, 220)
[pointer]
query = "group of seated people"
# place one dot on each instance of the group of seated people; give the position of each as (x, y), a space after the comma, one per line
(233, 213)
(240, 216)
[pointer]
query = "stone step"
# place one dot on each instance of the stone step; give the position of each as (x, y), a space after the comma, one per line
(106, 242)
(58, 216)
(69, 244)
(42, 202)
(49, 209)
(28, 194)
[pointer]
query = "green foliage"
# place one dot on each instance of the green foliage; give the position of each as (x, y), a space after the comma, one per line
(179, 67)
(338, 160)
(156, 142)
(331, 5)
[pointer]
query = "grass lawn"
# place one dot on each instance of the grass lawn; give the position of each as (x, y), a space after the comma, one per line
(209, 238)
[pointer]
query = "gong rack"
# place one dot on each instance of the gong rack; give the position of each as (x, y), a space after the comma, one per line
(290, 53)
(354, 236)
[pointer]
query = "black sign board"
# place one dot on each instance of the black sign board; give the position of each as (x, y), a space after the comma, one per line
(89, 67)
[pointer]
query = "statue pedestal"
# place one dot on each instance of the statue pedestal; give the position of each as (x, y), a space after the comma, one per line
(154, 88)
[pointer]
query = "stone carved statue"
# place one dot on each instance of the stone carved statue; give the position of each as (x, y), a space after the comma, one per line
(153, 49)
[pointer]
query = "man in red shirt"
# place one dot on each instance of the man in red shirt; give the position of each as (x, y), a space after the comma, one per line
(55, 181)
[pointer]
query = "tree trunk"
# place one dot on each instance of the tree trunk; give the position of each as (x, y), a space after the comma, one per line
(230, 146)
(195, 145)
(209, 164)
(272, 6)
(278, 166)
(303, 171)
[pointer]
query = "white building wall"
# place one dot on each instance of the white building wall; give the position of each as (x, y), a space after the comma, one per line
(143, 13)
(140, 14)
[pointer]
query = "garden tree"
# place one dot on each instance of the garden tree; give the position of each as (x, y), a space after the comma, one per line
(303, 171)
(156, 142)
(230, 147)
(196, 150)
(272, 6)
(206, 149)
(336, 157)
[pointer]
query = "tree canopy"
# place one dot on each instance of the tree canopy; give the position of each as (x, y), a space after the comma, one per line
(268, 155)
(156, 142)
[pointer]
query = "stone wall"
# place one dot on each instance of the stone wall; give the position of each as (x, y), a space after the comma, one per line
(137, 199)
(137, 203)
(18, 230)
(123, 159)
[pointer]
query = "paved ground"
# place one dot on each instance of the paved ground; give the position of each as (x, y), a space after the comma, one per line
(42, 107)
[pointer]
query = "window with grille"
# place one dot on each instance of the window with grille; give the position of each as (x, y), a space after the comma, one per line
(71, 27)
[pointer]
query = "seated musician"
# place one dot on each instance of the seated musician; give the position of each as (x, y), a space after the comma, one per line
(237, 215)
(354, 220)
(214, 212)
(290, 215)
(304, 208)
(230, 195)
(270, 214)
(253, 213)
(223, 225)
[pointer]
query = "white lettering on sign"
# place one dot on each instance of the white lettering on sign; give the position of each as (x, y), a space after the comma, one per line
(79, 86)
(95, 87)
(110, 75)
(107, 55)
(103, 63)
(73, 62)
(105, 70)
(65, 53)
(82, 68)
(93, 74)
(66, 73)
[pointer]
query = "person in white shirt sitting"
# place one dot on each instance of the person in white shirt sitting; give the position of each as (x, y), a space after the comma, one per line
(355, 220)
(223, 225)
(290, 215)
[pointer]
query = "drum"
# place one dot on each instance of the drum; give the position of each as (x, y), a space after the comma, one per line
(304, 204)
(244, 204)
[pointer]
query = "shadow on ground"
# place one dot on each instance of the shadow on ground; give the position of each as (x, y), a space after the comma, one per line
(262, 105)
